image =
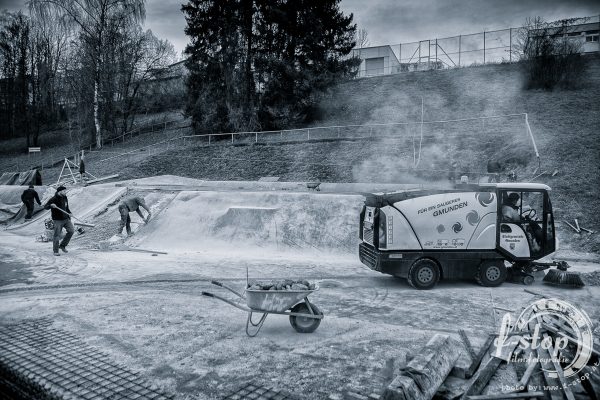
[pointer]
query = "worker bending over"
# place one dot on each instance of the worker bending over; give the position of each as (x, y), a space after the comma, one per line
(131, 204)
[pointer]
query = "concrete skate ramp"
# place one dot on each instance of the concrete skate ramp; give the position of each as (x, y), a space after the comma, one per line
(232, 222)
(11, 207)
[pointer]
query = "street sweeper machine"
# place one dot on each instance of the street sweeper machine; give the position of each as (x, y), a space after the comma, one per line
(488, 232)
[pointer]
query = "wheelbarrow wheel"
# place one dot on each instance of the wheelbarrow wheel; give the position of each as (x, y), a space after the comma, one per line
(305, 324)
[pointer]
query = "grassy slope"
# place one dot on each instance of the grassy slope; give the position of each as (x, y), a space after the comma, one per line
(565, 124)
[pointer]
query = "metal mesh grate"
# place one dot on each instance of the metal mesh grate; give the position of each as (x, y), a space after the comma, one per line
(251, 391)
(46, 363)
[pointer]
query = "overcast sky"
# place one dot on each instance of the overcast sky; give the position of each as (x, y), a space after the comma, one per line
(400, 21)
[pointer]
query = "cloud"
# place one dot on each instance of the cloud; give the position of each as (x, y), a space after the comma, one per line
(391, 22)
(166, 21)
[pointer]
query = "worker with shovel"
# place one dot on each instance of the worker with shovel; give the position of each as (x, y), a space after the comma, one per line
(61, 217)
(128, 205)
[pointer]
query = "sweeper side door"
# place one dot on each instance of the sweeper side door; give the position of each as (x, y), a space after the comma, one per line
(526, 224)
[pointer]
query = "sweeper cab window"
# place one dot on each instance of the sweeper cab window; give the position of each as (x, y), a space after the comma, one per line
(530, 210)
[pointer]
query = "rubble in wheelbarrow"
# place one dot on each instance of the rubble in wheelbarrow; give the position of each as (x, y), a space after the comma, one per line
(286, 284)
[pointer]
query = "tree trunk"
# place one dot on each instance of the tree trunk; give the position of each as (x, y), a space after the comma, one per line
(98, 132)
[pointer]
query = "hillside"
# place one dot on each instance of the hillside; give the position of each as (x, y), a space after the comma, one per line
(564, 122)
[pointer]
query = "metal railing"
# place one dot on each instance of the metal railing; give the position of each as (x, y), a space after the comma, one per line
(37, 161)
(395, 130)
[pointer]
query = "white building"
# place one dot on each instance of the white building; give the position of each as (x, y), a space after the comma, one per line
(378, 60)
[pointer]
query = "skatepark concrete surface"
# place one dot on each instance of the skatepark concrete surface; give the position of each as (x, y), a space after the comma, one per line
(138, 299)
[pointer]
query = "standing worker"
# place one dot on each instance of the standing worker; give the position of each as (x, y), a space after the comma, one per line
(131, 204)
(61, 216)
(28, 197)
(82, 167)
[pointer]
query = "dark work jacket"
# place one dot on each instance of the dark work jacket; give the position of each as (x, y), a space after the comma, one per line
(61, 202)
(29, 195)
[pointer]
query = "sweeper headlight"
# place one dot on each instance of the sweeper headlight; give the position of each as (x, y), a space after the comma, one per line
(382, 230)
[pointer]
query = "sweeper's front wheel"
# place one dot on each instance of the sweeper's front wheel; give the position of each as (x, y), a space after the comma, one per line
(305, 324)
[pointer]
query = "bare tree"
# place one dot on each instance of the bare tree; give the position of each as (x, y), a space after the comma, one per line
(95, 19)
(140, 57)
(362, 38)
(551, 56)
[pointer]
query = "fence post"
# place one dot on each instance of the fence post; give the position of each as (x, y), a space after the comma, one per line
(484, 47)
(209, 136)
(308, 134)
(256, 138)
(400, 56)
(510, 45)
(429, 54)
(232, 138)
(459, 48)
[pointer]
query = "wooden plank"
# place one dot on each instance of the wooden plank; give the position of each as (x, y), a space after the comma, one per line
(522, 385)
(576, 342)
(425, 373)
(551, 383)
(461, 372)
(142, 250)
(499, 396)
(575, 229)
(485, 373)
(467, 342)
(103, 178)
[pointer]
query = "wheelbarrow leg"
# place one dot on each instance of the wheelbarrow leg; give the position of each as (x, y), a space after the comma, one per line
(257, 325)
(310, 308)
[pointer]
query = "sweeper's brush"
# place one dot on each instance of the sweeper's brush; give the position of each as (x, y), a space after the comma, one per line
(562, 277)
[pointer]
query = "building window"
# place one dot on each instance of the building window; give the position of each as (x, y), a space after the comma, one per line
(591, 38)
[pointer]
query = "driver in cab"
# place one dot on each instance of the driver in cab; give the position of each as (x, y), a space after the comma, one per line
(510, 208)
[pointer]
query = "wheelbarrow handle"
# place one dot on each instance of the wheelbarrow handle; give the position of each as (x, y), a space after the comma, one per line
(220, 284)
(233, 303)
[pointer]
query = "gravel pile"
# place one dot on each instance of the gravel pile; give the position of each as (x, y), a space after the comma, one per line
(591, 278)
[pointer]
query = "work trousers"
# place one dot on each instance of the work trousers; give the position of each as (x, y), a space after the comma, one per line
(29, 206)
(125, 219)
(59, 224)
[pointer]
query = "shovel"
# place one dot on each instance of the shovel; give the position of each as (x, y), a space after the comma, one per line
(80, 222)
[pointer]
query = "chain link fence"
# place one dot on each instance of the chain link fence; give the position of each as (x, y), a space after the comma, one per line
(487, 47)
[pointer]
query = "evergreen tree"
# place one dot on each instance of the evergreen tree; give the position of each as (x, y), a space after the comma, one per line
(262, 64)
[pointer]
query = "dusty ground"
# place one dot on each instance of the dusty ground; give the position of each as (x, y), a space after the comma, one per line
(147, 312)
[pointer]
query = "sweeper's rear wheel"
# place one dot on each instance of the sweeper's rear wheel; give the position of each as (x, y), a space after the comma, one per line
(491, 273)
